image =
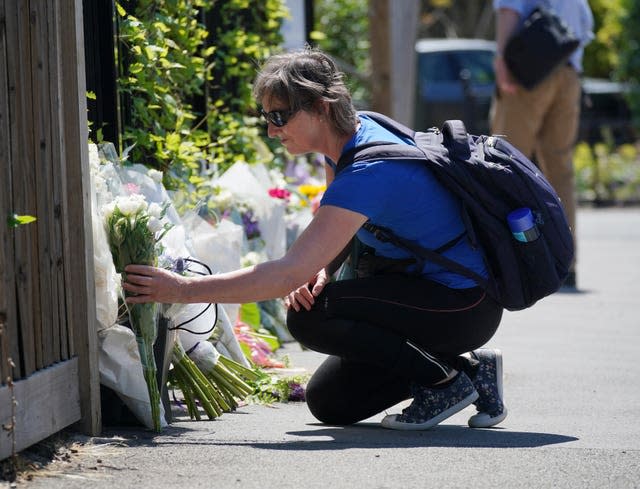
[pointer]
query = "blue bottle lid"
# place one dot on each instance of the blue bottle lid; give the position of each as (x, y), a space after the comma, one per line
(520, 220)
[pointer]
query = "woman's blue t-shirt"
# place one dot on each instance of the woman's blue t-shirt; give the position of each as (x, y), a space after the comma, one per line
(405, 197)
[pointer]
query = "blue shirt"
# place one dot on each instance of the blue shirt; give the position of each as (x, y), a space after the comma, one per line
(576, 13)
(405, 197)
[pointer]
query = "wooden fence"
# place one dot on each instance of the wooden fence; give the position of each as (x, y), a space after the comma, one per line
(48, 356)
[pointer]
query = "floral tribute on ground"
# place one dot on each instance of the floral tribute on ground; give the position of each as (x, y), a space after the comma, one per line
(217, 357)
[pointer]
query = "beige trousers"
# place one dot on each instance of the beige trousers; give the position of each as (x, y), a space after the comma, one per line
(544, 122)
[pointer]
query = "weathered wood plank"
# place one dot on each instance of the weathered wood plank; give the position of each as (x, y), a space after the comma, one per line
(47, 118)
(60, 345)
(47, 402)
(8, 312)
(40, 95)
(23, 188)
(77, 210)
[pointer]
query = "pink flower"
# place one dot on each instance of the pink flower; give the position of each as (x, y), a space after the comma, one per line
(279, 193)
(132, 188)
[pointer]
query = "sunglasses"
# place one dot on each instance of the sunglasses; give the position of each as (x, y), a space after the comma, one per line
(278, 118)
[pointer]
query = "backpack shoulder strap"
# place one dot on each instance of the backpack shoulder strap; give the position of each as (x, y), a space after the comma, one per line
(379, 150)
(434, 256)
(389, 124)
(456, 138)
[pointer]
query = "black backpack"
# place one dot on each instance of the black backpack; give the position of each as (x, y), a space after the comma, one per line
(491, 178)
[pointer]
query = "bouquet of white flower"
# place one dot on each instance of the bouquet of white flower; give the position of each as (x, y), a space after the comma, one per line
(133, 230)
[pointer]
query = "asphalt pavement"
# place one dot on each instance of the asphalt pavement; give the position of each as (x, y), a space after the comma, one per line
(571, 386)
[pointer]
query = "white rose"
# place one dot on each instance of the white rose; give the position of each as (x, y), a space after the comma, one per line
(155, 210)
(107, 209)
(155, 175)
(154, 224)
(131, 205)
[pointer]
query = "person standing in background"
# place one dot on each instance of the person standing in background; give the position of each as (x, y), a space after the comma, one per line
(543, 122)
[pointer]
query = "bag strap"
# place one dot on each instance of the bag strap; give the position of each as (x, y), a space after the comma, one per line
(379, 150)
(456, 138)
(389, 124)
(435, 256)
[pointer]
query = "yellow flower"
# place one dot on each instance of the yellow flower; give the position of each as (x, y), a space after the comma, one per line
(310, 191)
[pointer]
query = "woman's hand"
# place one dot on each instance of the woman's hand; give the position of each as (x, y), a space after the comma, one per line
(152, 284)
(305, 294)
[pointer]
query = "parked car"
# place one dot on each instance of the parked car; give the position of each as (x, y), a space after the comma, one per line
(455, 80)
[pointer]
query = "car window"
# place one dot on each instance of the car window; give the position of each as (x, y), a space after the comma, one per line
(436, 67)
(446, 66)
(478, 63)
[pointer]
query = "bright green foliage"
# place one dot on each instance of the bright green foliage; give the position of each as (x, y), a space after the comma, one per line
(628, 68)
(601, 54)
(342, 30)
(161, 70)
(614, 51)
(606, 173)
(244, 34)
(186, 73)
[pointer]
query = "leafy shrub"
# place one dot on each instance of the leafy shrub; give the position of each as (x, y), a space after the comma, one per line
(607, 174)
(186, 68)
(342, 30)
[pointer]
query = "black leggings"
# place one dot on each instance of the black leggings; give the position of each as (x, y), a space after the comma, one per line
(382, 333)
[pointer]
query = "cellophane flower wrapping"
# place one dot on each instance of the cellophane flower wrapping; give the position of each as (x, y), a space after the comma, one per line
(106, 279)
(241, 193)
(133, 228)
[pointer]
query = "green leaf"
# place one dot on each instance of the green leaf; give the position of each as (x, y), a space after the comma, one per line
(15, 220)
(121, 12)
(173, 141)
(136, 68)
(250, 314)
(269, 339)
(91, 95)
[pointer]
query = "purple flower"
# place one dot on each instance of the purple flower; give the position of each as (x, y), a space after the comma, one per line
(296, 392)
(250, 224)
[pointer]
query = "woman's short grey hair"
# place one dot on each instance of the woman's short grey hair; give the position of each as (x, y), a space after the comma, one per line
(301, 79)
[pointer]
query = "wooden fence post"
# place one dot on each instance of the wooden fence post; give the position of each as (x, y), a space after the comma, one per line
(79, 273)
(393, 28)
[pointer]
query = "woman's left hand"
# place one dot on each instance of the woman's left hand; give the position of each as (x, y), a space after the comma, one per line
(304, 296)
(153, 284)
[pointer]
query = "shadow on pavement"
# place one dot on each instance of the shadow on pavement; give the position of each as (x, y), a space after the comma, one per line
(366, 435)
(363, 435)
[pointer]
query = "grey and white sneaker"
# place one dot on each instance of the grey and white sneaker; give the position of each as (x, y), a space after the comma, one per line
(488, 384)
(431, 406)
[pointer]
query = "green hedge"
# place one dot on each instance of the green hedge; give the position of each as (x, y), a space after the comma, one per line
(186, 68)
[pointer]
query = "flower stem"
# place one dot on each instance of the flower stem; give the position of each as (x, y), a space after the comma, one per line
(212, 401)
(240, 370)
(149, 372)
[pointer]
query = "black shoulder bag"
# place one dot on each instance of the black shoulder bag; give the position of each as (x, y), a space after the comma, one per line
(543, 44)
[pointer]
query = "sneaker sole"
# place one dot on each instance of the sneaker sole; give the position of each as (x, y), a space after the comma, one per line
(391, 422)
(484, 420)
